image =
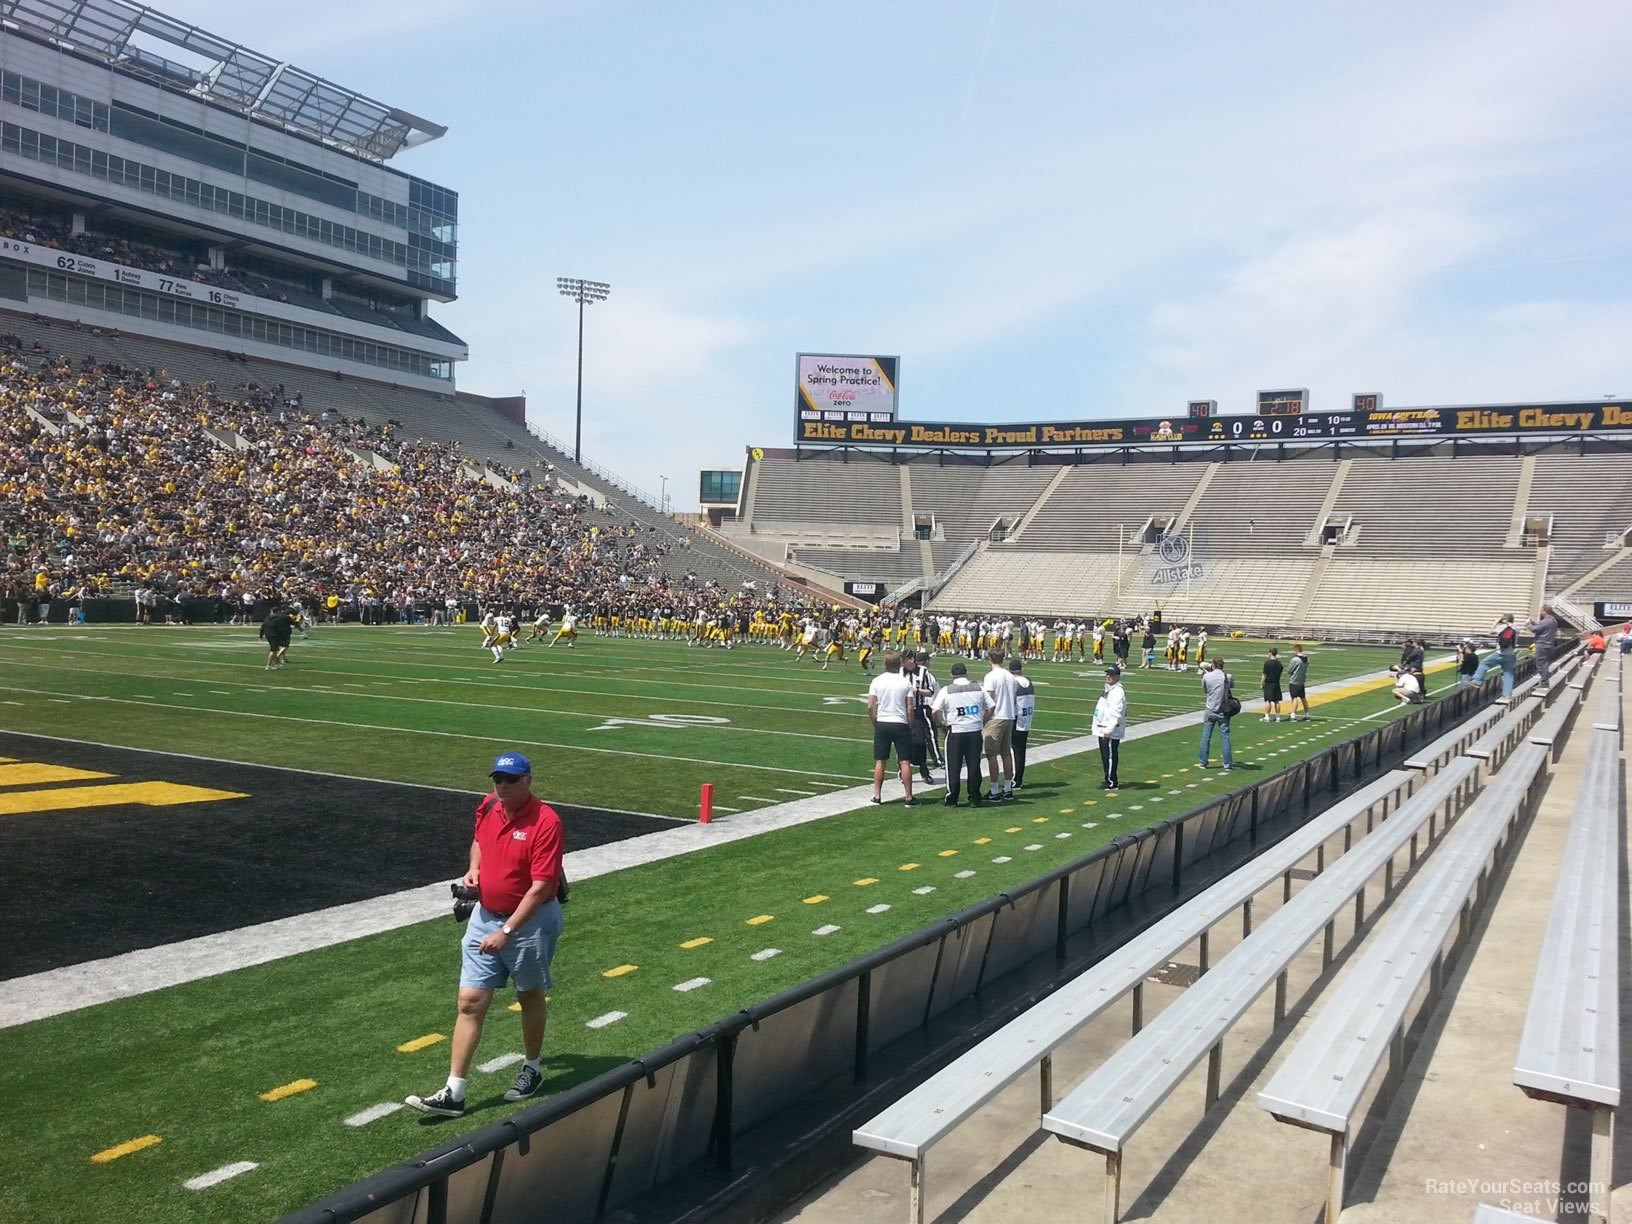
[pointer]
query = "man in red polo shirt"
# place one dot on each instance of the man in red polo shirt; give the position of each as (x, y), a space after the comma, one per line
(515, 865)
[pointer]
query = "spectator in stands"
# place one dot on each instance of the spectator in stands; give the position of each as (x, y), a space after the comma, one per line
(1625, 639)
(1504, 656)
(1218, 707)
(1596, 643)
(1110, 726)
(1545, 628)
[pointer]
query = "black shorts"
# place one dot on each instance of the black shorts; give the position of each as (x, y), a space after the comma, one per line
(1297, 692)
(892, 735)
(1272, 692)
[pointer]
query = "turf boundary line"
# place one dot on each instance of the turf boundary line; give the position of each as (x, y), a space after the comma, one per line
(74, 987)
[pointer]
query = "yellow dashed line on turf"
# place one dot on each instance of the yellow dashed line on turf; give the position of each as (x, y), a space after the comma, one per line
(1089, 802)
(1067, 811)
(420, 1043)
(760, 919)
(1016, 829)
(1040, 820)
(1167, 775)
(947, 853)
(620, 970)
(515, 1007)
(292, 1088)
(125, 1148)
(981, 841)
(698, 942)
(908, 867)
(816, 900)
(867, 881)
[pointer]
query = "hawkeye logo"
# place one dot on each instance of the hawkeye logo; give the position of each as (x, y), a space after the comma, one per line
(17, 802)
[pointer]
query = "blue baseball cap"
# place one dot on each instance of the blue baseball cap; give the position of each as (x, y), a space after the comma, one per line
(511, 763)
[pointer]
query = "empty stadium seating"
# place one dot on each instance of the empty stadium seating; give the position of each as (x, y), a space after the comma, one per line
(1094, 501)
(1429, 506)
(1249, 509)
(865, 491)
(1588, 496)
(967, 498)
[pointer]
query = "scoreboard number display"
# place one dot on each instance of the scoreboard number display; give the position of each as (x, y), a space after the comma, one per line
(1367, 401)
(1283, 403)
(1200, 409)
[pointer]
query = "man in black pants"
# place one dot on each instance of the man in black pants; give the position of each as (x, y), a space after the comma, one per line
(963, 708)
(915, 667)
(1025, 706)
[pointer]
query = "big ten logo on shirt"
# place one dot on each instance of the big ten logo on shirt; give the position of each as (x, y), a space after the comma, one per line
(1025, 704)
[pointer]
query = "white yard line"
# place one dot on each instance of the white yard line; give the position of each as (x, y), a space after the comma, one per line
(216, 1176)
(383, 1110)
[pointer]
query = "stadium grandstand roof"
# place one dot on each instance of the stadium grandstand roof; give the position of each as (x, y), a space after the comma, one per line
(271, 90)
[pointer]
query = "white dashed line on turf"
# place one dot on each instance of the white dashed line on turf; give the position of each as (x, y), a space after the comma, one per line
(878, 909)
(829, 929)
(962, 875)
(765, 954)
(720, 807)
(691, 984)
(498, 1064)
(1035, 846)
(601, 1022)
(788, 790)
(924, 891)
(383, 1110)
(758, 799)
(216, 1176)
(1060, 836)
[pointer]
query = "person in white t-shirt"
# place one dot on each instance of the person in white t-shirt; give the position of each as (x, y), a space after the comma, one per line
(1406, 687)
(1110, 725)
(1025, 708)
(999, 733)
(962, 707)
(890, 703)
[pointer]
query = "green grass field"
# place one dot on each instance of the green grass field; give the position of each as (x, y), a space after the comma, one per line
(188, 1064)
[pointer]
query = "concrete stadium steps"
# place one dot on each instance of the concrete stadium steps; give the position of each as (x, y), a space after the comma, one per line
(1095, 499)
(1250, 509)
(1451, 1131)
(965, 498)
(1432, 596)
(865, 491)
(1434, 506)
(1588, 496)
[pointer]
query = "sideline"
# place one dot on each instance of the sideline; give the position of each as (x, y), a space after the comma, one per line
(74, 987)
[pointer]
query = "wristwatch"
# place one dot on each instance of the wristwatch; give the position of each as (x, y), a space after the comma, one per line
(505, 929)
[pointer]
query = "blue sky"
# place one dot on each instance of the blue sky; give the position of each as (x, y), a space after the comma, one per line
(1048, 209)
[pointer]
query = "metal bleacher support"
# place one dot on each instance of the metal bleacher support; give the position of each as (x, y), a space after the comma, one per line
(1570, 1050)
(910, 1126)
(1321, 1083)
(1107, 1108)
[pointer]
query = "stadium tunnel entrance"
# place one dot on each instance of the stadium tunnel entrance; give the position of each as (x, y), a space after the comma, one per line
(116, 849)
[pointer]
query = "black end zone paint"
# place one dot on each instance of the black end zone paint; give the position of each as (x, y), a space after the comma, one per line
(87, 884)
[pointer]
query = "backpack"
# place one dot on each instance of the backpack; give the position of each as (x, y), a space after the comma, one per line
(486, 806)
(1506, 637)
(1232, 706)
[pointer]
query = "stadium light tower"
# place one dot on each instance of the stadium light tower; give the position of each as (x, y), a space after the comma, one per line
(585, 293)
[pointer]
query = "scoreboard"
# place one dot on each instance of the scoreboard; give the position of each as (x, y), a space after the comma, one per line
(1283, 403)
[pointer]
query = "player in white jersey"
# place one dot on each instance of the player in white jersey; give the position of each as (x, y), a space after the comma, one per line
(504, 628)
(489, 627)
(1184, 649)
(568, 630)
(1099, 642)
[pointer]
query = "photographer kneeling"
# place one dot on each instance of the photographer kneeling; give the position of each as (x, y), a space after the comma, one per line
(515, 868)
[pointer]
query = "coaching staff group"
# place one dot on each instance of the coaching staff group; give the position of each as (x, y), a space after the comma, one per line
(515, 866)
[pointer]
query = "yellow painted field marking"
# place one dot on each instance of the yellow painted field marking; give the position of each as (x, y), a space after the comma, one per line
(816, 900)
(420, 1043)
(947, 853)
(1016, 829)
(147, 794)
(31, 773)
(292, 1088)
(1040, 820)
(1371, 686)
(1089, 802)
(1167, 775)
(981, 841)
(867, 881)
(1184, 769)
(1067, 811)
(908, 867)
(760, 919)
(125, 1148)
(515, 1007)
(619, 970)
(698, 942)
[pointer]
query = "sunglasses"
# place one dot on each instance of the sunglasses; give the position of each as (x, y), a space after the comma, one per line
(507, 777)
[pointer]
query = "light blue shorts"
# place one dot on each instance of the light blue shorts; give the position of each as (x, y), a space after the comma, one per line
(525, 959)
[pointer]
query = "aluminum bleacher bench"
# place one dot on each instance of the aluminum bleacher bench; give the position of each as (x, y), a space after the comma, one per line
(1585, 672)
(1321, 1083)
(1607, 715)
(1494, 746)
(1486, 1214)
(1455, 741)
(1102, 1113)
(924, 1116)
(1520, 692)
(1549, 730)
(1570, 1050)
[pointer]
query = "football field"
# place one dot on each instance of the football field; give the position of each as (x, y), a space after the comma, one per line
(268, 1085)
